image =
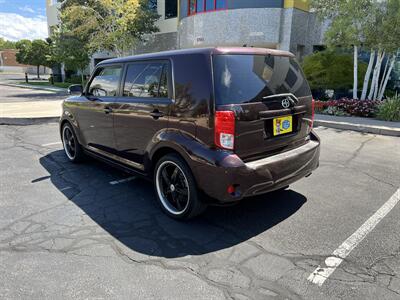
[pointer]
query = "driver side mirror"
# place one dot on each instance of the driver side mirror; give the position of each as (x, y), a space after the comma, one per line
(75, 89)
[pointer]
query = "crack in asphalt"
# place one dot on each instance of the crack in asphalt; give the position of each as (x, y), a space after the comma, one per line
(358, 150)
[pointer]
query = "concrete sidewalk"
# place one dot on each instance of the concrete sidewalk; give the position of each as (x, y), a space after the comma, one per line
(36, 87)
(20, 113)
(365, 125)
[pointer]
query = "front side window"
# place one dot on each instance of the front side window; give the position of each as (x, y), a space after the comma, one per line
(105, 83)
(148, 80)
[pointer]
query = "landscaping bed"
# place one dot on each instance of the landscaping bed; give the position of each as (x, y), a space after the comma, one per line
(388, 110)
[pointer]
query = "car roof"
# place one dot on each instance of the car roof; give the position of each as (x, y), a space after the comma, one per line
(207, 51)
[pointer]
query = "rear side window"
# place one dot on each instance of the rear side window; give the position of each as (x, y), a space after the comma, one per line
(106, 81)
(146, 80)
(249, 78)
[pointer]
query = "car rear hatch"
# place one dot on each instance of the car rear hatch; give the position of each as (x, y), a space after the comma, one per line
(270, 98)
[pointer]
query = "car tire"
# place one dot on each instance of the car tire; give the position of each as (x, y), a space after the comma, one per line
(176, 188)
(73, 150)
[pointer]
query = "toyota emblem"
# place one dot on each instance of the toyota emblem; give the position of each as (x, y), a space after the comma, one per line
(286, 103)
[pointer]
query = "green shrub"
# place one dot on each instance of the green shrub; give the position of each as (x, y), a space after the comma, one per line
(331, 70)
(389, 110)
(75, 79)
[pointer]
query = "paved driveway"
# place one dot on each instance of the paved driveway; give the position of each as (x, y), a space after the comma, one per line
(67, 232)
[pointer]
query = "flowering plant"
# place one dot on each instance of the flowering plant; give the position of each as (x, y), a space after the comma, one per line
(348, 107)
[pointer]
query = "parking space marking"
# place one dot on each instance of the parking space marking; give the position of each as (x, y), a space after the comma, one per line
(51, 144)
(122, 180)
(332, 262)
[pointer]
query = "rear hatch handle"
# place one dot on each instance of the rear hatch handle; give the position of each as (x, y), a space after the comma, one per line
(270, 114)
(292, 100)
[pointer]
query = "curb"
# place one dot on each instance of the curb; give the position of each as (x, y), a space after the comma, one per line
(28, 121)
(382, 130)
(43, 88)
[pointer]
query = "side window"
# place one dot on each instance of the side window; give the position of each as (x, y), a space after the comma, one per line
(148, 80)
(105, 83)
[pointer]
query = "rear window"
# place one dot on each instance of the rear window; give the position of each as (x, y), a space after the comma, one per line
(249, 78)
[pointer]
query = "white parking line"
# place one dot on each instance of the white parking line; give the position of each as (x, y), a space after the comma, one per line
(51, 144)
(122, 180)
(332, 262)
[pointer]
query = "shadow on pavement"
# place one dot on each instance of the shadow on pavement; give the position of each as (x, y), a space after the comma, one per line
(129, 211)
(43, 95)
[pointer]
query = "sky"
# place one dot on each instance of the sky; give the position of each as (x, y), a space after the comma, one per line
(23, 19)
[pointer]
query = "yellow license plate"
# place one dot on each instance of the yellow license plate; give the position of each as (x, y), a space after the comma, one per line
(283, 125)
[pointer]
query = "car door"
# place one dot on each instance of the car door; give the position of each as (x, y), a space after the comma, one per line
(95, 115)
(143, 109)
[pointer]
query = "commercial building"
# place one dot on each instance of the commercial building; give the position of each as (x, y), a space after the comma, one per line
(279, 24)
(9, 64)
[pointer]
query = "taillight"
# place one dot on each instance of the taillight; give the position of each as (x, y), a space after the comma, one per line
(225, 129)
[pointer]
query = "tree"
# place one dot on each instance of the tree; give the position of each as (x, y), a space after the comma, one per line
(4, 44)
(388, 39)
(70, 51)
(33, 53)
(329, 69)
(108, 25)
(23, 47)
(348, 22)
(371, 24)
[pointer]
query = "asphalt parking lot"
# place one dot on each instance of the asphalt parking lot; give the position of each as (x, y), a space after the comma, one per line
(77, 231)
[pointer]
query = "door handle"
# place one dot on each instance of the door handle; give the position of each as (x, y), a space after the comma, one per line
(156, 114)
(108, 110)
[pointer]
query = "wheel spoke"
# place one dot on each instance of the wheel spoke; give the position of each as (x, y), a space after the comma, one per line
(72, 144)
(182, 191)
(178, 203)
(173, 197)
(68, 135)
(174, 174)
(165, 176)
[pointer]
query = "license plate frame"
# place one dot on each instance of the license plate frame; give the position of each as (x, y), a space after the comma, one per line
(282, 125)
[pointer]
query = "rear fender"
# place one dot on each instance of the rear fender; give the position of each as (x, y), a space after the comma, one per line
(195, 153)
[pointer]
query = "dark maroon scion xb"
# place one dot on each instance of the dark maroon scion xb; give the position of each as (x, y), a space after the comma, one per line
(227, 123)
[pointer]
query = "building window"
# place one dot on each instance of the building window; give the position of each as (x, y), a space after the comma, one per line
(198, 6)
(171, 9)
(192, 7)
(220, 4)
(153, 5)
(210, 5)
(318, 48)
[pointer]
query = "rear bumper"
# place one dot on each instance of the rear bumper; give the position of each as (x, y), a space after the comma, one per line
(258, 177)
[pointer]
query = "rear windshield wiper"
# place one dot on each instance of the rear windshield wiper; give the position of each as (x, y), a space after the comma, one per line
(292, 98)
